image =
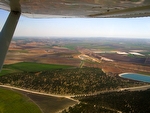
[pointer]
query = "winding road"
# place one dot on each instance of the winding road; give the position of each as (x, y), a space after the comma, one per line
(138, 88)
(40, 93)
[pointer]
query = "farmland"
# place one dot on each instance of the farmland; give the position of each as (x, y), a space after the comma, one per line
(76, 67)
(132, 53)
(13, 102)
(30, 67)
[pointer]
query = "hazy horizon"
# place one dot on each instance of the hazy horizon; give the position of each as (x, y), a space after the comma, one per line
(81, 27)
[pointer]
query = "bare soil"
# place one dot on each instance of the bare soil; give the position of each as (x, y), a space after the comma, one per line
(44, 52)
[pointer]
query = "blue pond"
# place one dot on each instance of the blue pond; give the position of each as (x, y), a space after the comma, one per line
(134, 76)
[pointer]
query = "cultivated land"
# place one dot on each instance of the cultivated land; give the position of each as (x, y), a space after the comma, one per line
(82, 68)
(47, 103)
(114, 56)
(30, 67)
(13, 102)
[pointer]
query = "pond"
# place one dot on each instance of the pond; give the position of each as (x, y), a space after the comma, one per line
(135, 76)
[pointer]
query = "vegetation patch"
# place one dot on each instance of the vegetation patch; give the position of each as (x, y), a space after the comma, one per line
(13, 102)
(70, 46)
(6, 71)
(67, 81)
(114, 102)
(32, 67)
(19, 51)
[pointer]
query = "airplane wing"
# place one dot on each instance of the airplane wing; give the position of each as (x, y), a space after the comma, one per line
(66, 8)
(79, 8)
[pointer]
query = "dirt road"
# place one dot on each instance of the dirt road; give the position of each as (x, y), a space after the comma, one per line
(40, 93)
(138, 88)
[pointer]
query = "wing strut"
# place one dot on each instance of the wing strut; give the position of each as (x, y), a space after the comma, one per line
(7, 34)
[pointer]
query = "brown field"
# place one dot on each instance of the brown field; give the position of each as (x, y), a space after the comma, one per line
(53, 52)
(21, 51)
(50, 104)
(47, 104)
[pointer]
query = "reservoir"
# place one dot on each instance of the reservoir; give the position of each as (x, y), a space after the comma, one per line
(135, 76)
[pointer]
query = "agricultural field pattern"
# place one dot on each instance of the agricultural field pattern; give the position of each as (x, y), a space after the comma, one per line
(75, 75)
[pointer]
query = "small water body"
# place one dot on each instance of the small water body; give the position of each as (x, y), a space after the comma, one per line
(135, 76)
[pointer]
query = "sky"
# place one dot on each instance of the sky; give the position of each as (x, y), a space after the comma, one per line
(80, 27)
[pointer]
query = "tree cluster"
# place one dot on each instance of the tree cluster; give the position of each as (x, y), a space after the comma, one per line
(125, 102)
(67, 81)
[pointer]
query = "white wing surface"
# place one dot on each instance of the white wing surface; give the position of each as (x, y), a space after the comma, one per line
(79, 8)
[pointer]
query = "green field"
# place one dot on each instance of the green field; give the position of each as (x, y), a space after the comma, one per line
(70, 46)
(20, 51)
(13, 102)
(30, 67)
(6, 71)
